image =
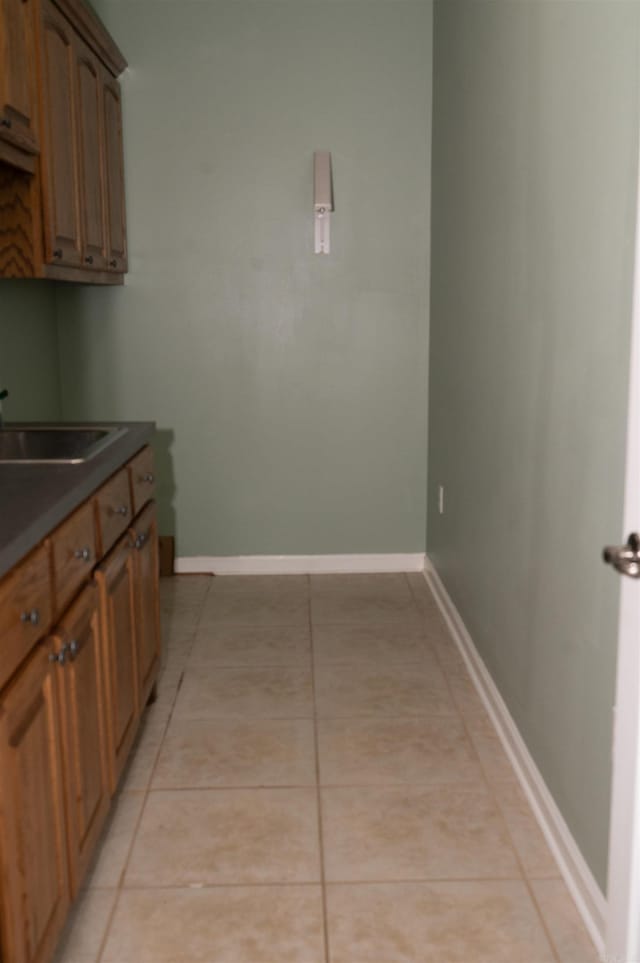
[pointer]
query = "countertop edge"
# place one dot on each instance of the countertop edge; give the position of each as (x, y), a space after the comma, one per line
(50, 493)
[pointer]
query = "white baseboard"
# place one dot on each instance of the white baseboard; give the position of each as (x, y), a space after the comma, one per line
(298, 564)
(586, 893)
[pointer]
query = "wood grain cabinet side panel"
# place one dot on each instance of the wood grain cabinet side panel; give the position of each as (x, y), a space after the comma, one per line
(33, 854)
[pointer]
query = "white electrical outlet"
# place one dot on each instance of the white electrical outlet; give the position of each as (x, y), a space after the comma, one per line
(441, 499)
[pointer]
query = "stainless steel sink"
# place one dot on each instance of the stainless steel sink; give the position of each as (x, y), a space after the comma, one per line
(54, 444)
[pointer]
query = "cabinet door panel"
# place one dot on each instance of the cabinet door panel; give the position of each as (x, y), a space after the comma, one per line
(59, 156)
(117, 601)
(145, 535)
(16, 83)
(33, 854)
(78, 643)
(114, 176)
(89, 75)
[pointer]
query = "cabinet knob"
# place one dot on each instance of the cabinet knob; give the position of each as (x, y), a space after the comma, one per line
(83, 553)
(74, 648)
(32, 617)
(5, 122)
(113, 263)
(148, 477)
(58, 252)
(89, 259)
(140, 540)
(122, 510)
(62, 654)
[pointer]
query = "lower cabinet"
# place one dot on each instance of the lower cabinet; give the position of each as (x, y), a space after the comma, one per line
(77, 644)
(33, 847)
(70, 704)
(116, 581)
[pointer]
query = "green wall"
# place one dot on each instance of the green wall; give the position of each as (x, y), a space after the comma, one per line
(289, 388)
(29, 351)
(534, 186)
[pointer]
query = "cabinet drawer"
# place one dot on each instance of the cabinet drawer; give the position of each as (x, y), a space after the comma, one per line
(74, 554)
(113, 503)
(25, 610)
(143, 482)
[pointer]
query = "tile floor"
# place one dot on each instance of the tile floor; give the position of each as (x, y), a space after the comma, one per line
(319, 783)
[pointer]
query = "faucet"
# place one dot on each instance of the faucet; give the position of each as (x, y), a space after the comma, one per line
(3, 394)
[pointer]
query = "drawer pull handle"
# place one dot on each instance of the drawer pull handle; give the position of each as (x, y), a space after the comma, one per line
(140, 540)
(74, 648)
(123, 510)
(148, 477)
(5, 122)
(58, 252)
(83, 553)
(32, 617)
(89, 259)
(62, 654)
(113, 263)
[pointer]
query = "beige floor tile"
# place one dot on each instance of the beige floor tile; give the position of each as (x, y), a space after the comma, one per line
(493, 758)
(223, 836)
(530, 844)
(259, 585)
(259, 608)
(268, 692)
(363, 606)
(86, 927)
(462, 922)
(210, 754)
(414, 833)
(396, 751)
(567, 930)
(257, 924)
(235, 645)
(375, 585)
(111, 855)
(371, 642)
(381, 689)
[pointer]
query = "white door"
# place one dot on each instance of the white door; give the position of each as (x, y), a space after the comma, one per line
(623, 936)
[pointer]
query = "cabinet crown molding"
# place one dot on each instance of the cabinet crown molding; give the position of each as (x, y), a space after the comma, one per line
(95, 34)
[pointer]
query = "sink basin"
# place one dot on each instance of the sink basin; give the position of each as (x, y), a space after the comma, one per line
(54, 444)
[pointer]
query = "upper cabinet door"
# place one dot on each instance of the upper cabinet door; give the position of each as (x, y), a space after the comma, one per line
(17, 94)
(114, 175)
(60, 186)
(89, 73)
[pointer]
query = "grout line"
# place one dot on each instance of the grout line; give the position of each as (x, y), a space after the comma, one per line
(317, 883)
(325, 919)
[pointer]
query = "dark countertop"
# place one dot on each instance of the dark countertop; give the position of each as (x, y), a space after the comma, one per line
(34, 499)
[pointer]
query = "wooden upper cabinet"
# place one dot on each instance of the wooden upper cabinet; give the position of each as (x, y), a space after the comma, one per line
(114, 174)
(60, 161)
(33, 856)
(71, 225)
(90, 145)
(18, 137)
